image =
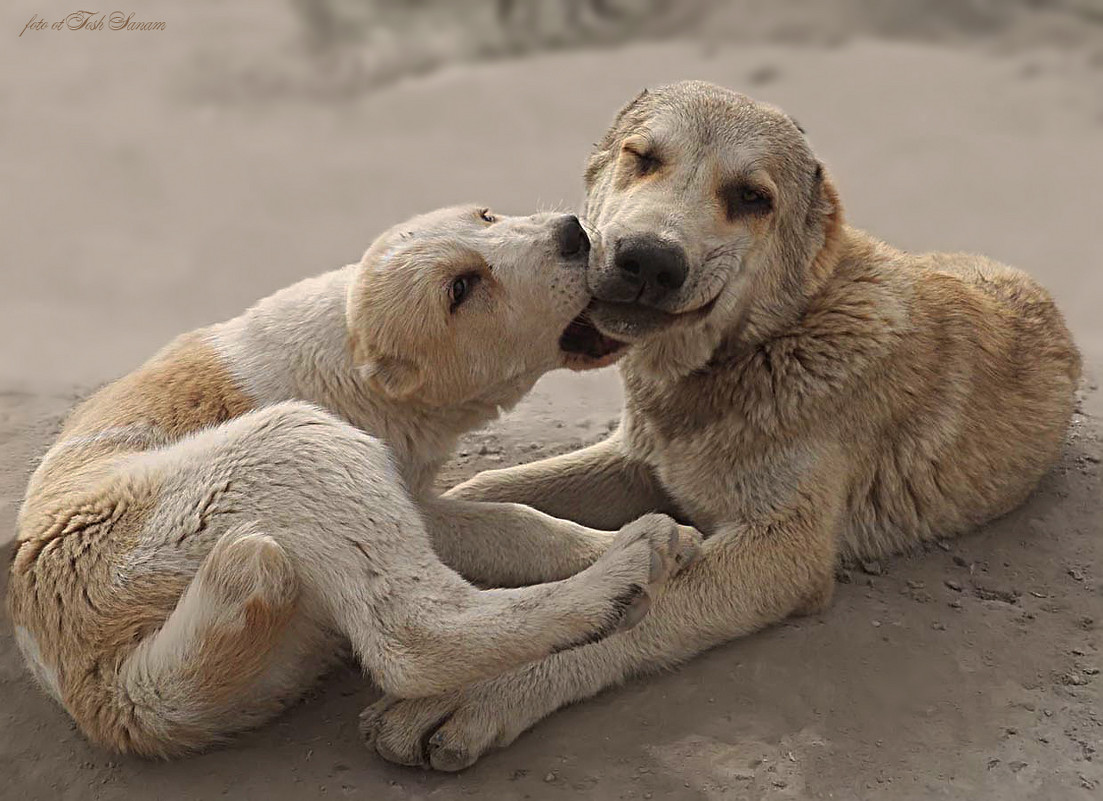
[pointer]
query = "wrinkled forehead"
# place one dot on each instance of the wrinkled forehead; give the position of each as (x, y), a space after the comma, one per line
(437, 233)
(730, 130)
(431, 256)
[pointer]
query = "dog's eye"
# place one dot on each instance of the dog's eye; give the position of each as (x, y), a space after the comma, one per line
(486, 216)
(646, 163)
(461, 289)
(740, 200)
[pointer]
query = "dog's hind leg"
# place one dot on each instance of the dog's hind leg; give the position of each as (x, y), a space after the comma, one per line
(199, 678)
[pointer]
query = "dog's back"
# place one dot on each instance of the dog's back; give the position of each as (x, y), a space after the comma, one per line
(976, 403)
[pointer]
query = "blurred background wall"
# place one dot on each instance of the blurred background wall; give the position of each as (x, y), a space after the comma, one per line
(159, 180)
(356, 45)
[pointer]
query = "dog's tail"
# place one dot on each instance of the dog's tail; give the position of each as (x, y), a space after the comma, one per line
(200, 678)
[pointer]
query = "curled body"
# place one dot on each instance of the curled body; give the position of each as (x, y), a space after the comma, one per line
(210, 532)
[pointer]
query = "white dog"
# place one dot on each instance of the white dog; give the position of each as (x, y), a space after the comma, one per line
(210, 531)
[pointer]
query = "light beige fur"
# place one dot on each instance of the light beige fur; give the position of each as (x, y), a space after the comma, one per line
(211, 531)
(807, 393)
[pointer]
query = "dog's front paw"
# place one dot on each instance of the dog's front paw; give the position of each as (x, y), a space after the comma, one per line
(642, 557)
(445, 732)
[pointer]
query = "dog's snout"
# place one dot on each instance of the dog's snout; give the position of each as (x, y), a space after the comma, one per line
(571, 237)
(648, 260)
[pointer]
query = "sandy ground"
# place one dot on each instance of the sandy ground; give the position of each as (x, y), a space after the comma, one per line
(139, 203)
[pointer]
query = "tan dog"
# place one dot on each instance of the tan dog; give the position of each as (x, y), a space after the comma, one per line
(797, 389)
(210, 531)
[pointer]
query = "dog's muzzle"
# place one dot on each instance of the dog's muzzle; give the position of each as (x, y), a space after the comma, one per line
(646, 269)
(571, 238)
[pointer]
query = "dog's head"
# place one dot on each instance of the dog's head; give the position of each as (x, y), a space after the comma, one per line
(710, 205)
(462, 304)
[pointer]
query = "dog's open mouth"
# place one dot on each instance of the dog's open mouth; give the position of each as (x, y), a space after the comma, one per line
(587, 348)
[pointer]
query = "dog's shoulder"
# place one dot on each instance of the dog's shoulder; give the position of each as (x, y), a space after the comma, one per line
(854, 323)
(184, 387)
(858, 314)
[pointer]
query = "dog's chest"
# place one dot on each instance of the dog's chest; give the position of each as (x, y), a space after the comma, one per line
(716, 440)
(705, 470)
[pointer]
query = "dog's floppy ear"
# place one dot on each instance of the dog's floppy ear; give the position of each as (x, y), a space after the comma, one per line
(393, 376)
(390, 374)
(602, 150)
(823, 205)
(825, 212)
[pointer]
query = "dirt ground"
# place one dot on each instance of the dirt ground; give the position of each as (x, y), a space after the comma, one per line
(140, 202)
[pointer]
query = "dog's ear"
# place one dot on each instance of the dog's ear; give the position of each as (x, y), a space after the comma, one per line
(823, 204)
(825, 213)
(602, 153)
(393, 376)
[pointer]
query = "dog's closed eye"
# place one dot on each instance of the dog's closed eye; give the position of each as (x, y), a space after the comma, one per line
(741, 199)
(646, 161)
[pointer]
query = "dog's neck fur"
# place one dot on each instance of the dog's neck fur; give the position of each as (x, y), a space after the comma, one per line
(294, 345)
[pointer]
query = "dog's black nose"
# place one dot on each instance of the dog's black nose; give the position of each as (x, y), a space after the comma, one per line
(571, 237)
(648, 260)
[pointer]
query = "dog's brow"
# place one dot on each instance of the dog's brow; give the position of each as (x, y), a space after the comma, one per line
(643, 139)
(754, 164)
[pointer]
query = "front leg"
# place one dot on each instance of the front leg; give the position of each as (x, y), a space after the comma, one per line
(599, 486)
(750, 574)
(509, 545)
